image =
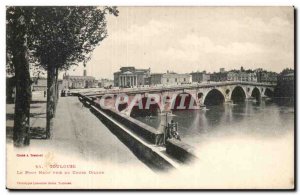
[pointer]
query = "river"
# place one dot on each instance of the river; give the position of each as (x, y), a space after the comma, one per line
(267, 119)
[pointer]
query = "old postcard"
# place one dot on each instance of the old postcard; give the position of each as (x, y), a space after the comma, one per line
(150, 97)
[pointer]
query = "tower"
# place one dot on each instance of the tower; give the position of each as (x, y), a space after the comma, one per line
(84, 72)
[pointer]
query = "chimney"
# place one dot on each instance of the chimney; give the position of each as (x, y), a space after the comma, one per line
(84, 72)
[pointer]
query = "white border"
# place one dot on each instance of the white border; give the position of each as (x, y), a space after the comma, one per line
(4, 3)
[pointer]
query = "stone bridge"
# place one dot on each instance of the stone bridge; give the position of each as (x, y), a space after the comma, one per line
(194, 96)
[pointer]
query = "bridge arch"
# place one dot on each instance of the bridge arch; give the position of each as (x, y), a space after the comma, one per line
(238, 94)
(122, 106)
(269, 93)
(214, 97)
(256, 94)
(200, 95)
(227, 91)
(152, 110)
(189, 100)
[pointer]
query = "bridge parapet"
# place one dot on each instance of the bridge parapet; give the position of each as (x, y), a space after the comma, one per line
(177, 88)
(200, 93)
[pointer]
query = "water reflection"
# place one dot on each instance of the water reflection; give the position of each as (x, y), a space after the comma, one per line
(266, 118)
(215, 114)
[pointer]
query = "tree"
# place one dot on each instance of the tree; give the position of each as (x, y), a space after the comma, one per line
(62, 37)
(286, 71)
(18, 63)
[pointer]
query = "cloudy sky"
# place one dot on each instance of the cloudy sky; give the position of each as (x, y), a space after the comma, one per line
(186, 39)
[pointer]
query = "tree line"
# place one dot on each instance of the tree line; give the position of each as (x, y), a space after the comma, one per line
(53, 39)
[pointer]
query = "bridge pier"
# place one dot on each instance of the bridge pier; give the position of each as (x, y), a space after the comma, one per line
(227, 99)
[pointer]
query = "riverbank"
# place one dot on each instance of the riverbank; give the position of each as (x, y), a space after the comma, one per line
(79, 139)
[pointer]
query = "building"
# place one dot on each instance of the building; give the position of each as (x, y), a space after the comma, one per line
(234, 75)
(242, 75)
(170, 78)
(78, 82)
(105, 83)
(200, 77)
(156, 78)
(218, 76)
(264, 76)
(222, 70)
(39, 84)
(131, 77)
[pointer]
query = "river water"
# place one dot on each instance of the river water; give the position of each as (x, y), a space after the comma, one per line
(246, 145)
(267, 119)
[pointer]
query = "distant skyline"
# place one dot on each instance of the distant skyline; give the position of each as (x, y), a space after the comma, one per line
(186, 39)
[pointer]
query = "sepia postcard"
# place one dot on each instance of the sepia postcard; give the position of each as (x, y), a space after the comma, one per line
(150, 98)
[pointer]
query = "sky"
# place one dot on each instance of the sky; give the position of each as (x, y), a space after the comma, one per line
(186, 39)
